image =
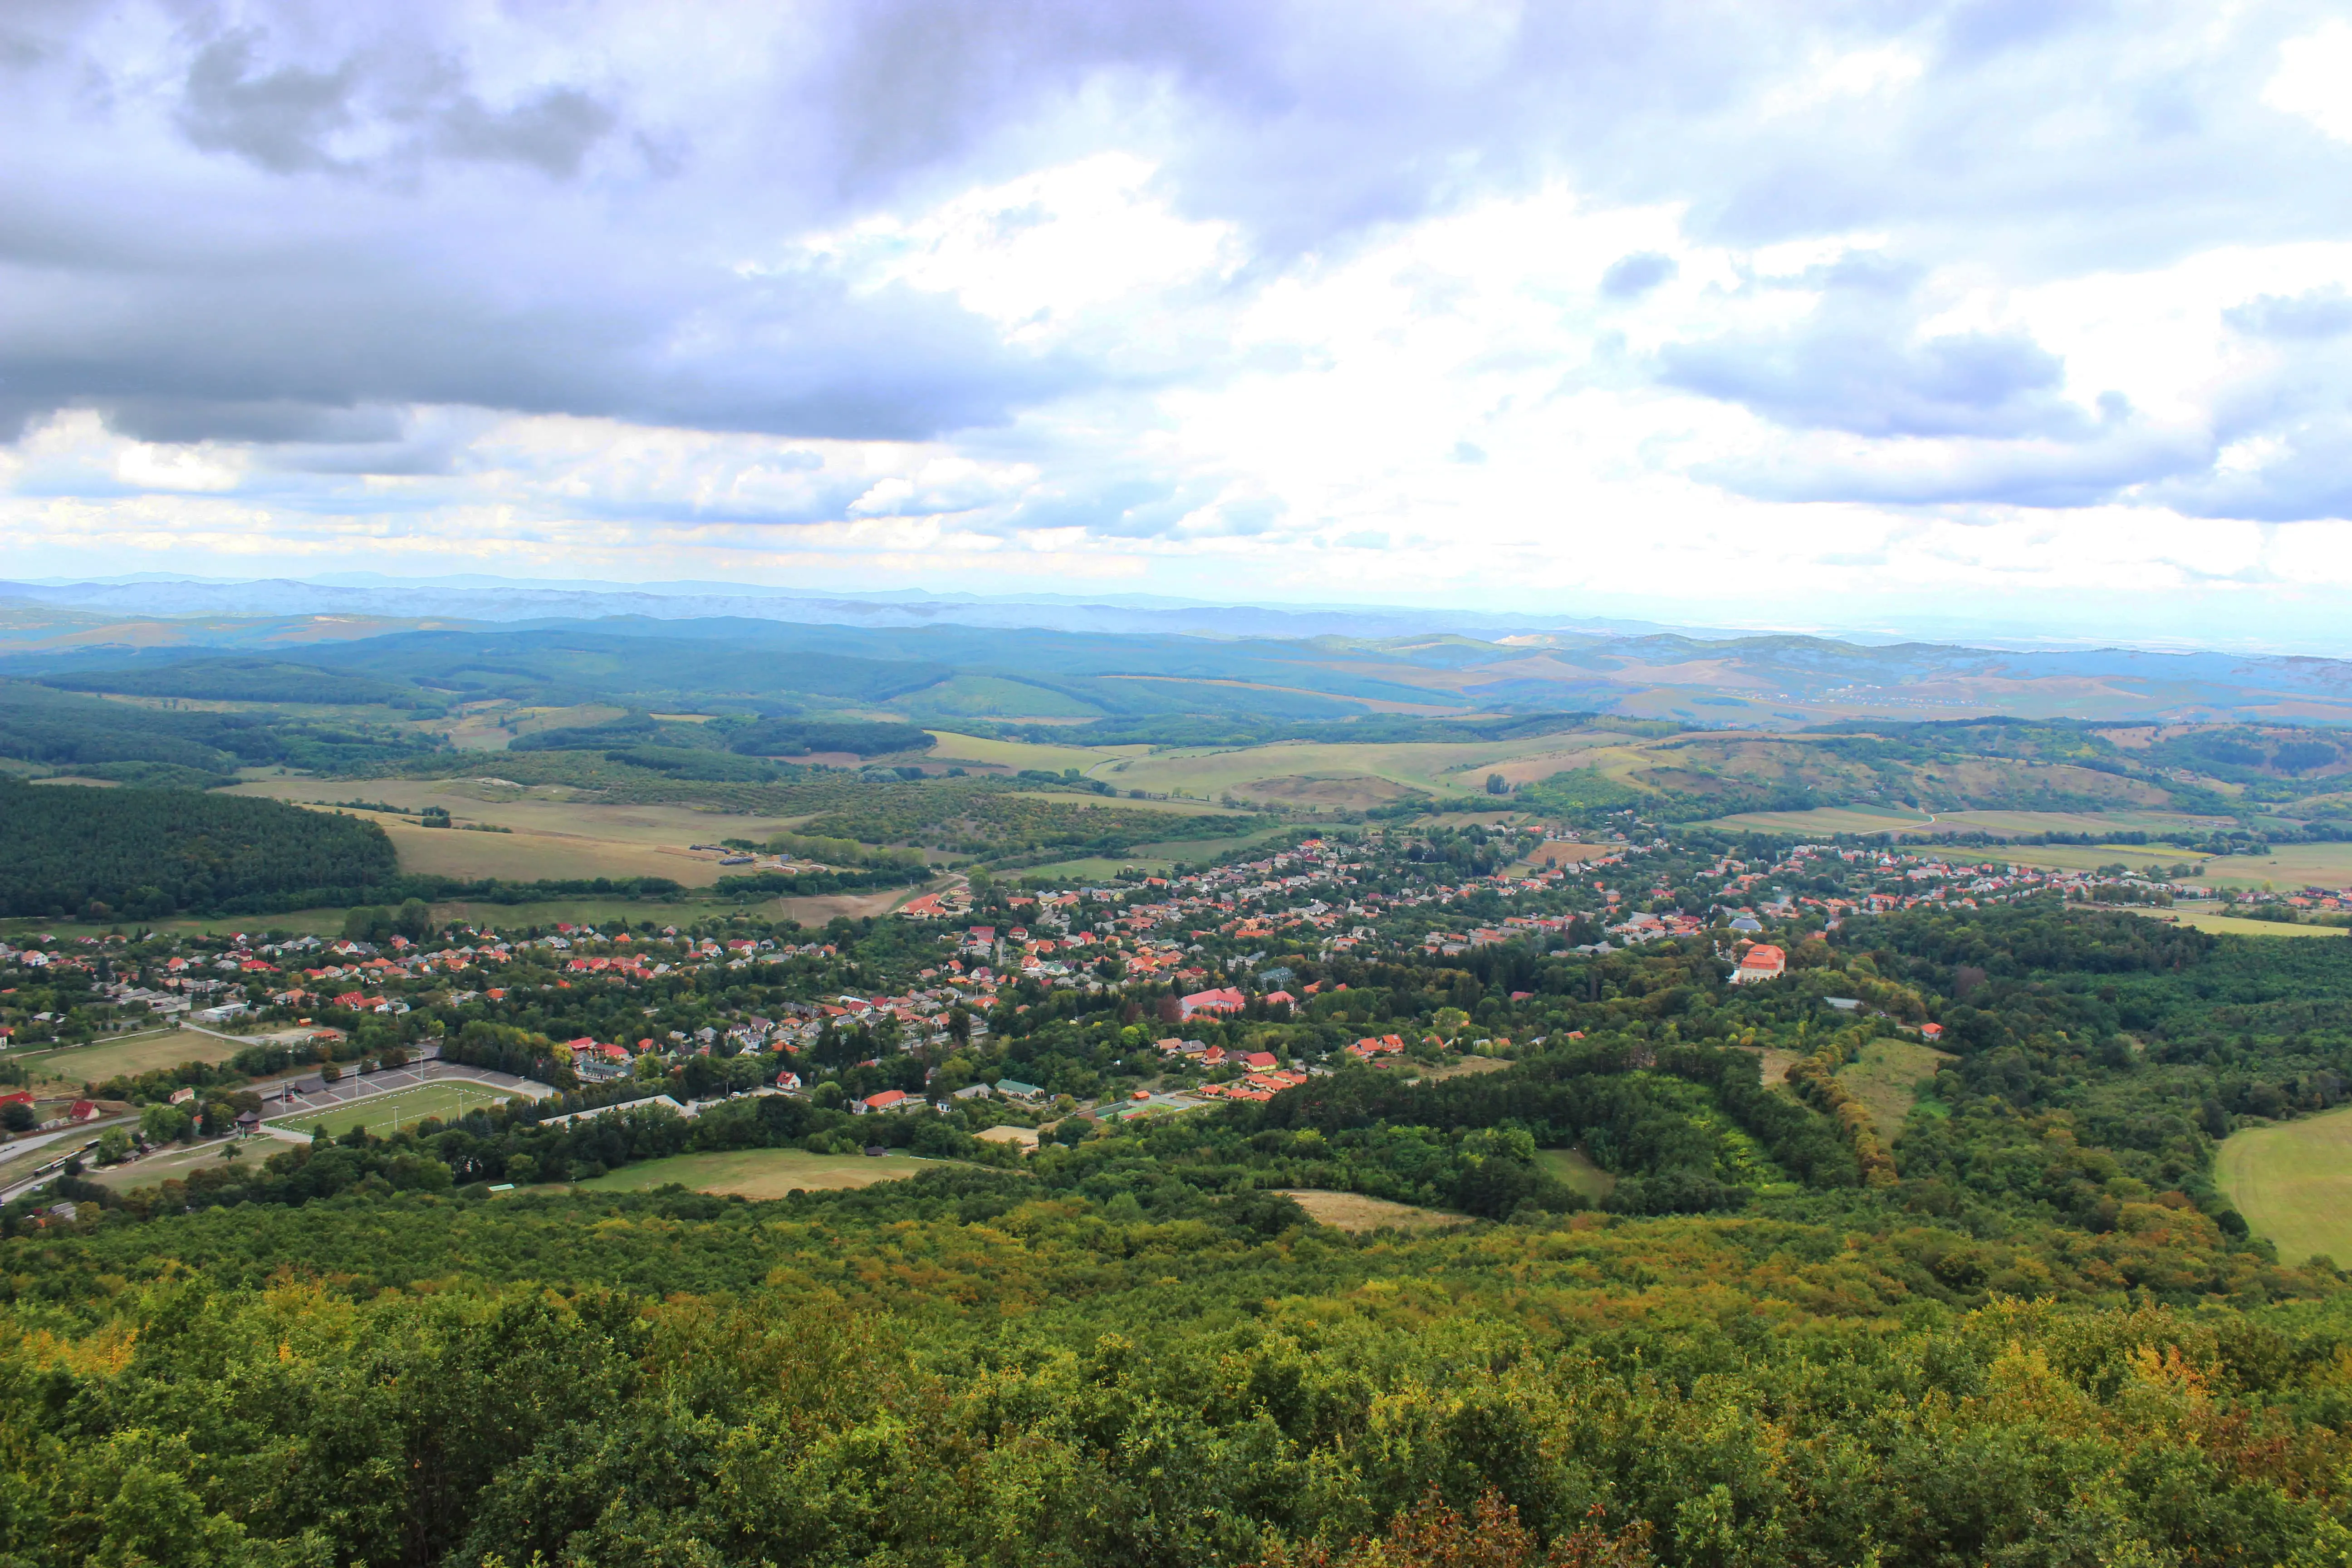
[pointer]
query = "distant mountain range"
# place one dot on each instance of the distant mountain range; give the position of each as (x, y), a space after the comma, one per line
(940, 658)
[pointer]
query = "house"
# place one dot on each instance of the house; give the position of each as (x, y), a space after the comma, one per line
(971, 1091)
(82, 1111)
(1226, 999)
(1014, 1089)
(890, 1099)
(788, 1079)
(1931, 1031)
(181, 1096)
(1761, 961)
(1259, 1061)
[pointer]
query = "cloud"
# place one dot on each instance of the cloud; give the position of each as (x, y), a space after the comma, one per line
(1496, 296)
(1631, 277)
(1860, 362)
(2321, 314)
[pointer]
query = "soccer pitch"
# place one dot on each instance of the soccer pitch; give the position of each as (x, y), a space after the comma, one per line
(448, 1098)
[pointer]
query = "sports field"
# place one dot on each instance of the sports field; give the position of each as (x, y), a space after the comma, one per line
(448, 1098)
(761, 1173)
(145, 1053)
(2292, 1181)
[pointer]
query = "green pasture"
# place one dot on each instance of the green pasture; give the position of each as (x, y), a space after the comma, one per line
(132, 1054)
(2292, 1181)
(1572, 1170)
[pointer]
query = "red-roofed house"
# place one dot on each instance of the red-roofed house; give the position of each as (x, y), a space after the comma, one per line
(1225, 1000)
(1762, 962)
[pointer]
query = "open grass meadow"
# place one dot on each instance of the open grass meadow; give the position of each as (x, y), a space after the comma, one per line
(2292, 1181)
(760, 1173)
(447, 1098)
(1571, 1169)
(1018, 754)
(109, 1058)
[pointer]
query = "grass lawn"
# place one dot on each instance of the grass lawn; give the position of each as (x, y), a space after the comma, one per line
(1571, 1170)
(2292, 1181)
(1356, 1213)
(761, 1173)
(175, 1163)
(447, 1098)
(1886, 1077)
(97, 1063)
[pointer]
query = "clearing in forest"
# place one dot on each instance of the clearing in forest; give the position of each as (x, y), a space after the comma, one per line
(760, 1173)
(1356, 1213)
(2292, 1181)
(1888, 1078)
(1575, 1171)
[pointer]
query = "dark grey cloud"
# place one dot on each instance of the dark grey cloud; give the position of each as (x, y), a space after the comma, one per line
(395, 102)
(281, 118)
(1631, 277)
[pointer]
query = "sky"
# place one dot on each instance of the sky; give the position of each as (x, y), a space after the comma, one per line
(2024, 315)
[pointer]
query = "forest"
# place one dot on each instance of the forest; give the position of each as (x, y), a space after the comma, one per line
(100, 739)
(251, 681)
(143, 854)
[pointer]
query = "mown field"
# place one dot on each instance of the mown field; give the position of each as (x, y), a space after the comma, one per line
(1344, 776)
(2292, 1181)
(1355, 1212)
(760, 1173)
(550, 837)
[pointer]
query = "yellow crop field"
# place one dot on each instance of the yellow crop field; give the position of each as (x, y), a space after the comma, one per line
(1825, 822)
(1356, 1213)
